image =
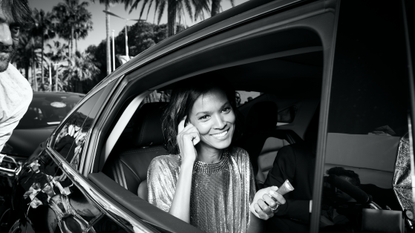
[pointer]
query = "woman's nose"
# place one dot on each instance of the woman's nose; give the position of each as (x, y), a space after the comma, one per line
(5, 35)
(220, 122)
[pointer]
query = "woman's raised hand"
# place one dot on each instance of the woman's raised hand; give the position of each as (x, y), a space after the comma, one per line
(188, 136)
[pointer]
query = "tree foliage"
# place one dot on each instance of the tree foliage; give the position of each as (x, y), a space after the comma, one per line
(29, 54)
(175, 10)
(46, 49)
(77, 69)
(73, 21)
(142, 35)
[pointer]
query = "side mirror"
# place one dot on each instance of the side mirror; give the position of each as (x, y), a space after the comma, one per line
(9, 167)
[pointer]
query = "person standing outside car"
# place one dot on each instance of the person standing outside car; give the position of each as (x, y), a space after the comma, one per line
(15, 91)
(205, 181)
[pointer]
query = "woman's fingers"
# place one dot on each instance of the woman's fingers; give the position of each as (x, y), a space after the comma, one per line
(189, 132)
(260, 204)
(186, 139)
(266, 202)
(271, 203)
(262, 211)
(275, 195)
(196, 139)
(181, 125)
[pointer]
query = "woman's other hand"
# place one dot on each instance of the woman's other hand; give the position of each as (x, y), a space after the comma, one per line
(266, 202)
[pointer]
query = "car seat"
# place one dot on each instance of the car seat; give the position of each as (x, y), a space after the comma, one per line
(261, 138)
(129, 166)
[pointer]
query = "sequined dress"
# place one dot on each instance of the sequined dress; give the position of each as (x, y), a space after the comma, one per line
(220, 195)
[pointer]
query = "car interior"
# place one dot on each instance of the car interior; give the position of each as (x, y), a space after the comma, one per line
(293, 88)
(285, 71)
(263, 135)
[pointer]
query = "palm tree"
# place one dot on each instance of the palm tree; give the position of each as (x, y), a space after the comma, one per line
(175, 9)
(43, 29)
(23, 58)
(74, 21)
(58, 55)
(29, 52)
(79, 68)
(107, 23)
(215, 7)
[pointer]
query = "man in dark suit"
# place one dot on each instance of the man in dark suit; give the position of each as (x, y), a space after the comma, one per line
(296, 163)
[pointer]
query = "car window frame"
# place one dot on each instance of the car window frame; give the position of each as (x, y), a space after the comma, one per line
(122, 122)
(52, 141)
(324, 14)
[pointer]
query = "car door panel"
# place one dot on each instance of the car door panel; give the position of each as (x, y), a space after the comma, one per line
(139, 207)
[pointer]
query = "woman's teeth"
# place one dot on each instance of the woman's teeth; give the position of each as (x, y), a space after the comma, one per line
(219, 135)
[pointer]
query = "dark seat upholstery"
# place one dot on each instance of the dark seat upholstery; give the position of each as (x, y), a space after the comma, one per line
(260, 123)
(129, 166)
(261, 138)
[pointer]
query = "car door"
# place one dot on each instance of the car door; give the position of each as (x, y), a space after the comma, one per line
(51, 185)
(369, 114)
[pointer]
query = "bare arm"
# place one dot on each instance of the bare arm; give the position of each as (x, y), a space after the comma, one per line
(188, 137)
(180, 206)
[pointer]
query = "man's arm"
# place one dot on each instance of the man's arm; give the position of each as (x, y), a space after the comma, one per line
(286, 166)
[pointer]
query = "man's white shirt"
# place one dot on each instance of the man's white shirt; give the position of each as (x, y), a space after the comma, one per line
(15, 97)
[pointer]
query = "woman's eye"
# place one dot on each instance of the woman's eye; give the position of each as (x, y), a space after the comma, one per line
(205, 117)
(227, 109)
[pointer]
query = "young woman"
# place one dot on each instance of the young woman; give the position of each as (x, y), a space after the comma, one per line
(205, 181)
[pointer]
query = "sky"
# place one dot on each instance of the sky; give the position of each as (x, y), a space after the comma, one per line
(98, 18)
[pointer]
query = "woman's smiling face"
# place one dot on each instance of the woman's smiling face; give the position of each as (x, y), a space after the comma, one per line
(214, 118)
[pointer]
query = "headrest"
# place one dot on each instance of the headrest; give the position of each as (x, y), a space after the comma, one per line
(263, 116)
(148, 129)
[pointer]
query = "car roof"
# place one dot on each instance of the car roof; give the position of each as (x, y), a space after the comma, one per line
(208, 28)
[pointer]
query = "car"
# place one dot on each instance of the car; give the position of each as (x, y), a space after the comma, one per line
(342, 68)
(45, 112)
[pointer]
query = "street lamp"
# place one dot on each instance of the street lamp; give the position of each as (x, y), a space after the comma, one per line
(113, 51)
(125, 28)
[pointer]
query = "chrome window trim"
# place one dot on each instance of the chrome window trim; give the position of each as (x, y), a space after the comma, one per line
(96, 128)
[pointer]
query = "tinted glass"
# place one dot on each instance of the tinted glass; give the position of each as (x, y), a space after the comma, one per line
(243, 97)
(71, 136)
(48, 109)
(368, 109)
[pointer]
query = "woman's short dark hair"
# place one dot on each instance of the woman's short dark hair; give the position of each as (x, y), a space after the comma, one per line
(181, 102)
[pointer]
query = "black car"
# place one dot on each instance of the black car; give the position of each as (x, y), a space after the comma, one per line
(349, 63)
(45, 112)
